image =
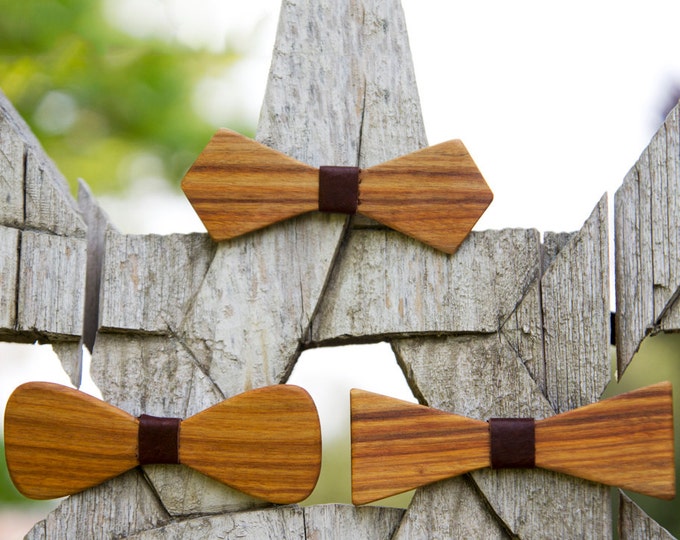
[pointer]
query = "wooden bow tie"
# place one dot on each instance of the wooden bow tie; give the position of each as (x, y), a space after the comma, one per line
(265, 442)
(625, 441)
(435, 195)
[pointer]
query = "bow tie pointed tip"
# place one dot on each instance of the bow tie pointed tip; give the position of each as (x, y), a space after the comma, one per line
(435, 195)
(59, 441)
(625, 441)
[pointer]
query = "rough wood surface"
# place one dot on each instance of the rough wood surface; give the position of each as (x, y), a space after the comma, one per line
(51, 285)
(332, 522)
(466, 514)
(647, 237)
(116, 509)
(149, 280)
(634, 524)
(427, 291)
(97, 224)
(9, 267)
(341, 521)
(42, 241)
(575, 314)
(11, 169)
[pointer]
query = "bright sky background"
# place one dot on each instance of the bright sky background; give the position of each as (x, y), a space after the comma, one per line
(555, 101)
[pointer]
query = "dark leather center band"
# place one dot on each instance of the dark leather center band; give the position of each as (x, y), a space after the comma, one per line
(158, 440)
(513, 442)
(339, 189)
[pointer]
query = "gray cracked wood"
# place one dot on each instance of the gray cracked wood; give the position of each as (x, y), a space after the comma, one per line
(46, 253)
(452, 508)
(647, 239)
(116, 509)
(282, 522)
(11, 170)
(149, 280)
(9, 268)
(575, 314)
(387, 284)
(52, 285)
(634, 524)
(347, 522)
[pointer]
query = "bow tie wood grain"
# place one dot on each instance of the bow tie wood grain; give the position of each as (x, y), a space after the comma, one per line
(435, 195)
(265, 442)
(624, 441)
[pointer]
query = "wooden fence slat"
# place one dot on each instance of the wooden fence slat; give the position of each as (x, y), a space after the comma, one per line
(47, 207)
(11, 170)
(282, 522)
(634, 524)
(115, 509)
(647, 238)
(42, 241)
(575, 306)
(9, 267)
(387, 284)
(149, 280)
(523, 333)
(455, 508)
(343, 521)
(52, 285)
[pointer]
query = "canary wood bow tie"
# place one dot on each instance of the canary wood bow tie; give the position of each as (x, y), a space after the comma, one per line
(625, 441)
(265, 442)
(435, 195)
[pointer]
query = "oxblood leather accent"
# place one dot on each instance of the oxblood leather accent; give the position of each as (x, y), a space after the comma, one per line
(158, 440)
(513, 443)
(339, 189)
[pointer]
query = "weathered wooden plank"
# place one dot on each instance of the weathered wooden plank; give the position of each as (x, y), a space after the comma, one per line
(647, 220)
(552, 244)
(634, 524)
(149, 280)
(474, 290)
(11, 171)
(97, 224)
(452, 508)
(482, 377)
(9, 267)
(52, 285)
(392, 123)
(115, 509)
(14, 132)
(575, 304)
(47, 207)
(281, 522)
(341, 521)
(523, 333)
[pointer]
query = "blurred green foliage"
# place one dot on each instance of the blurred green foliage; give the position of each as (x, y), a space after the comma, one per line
(96, 97)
